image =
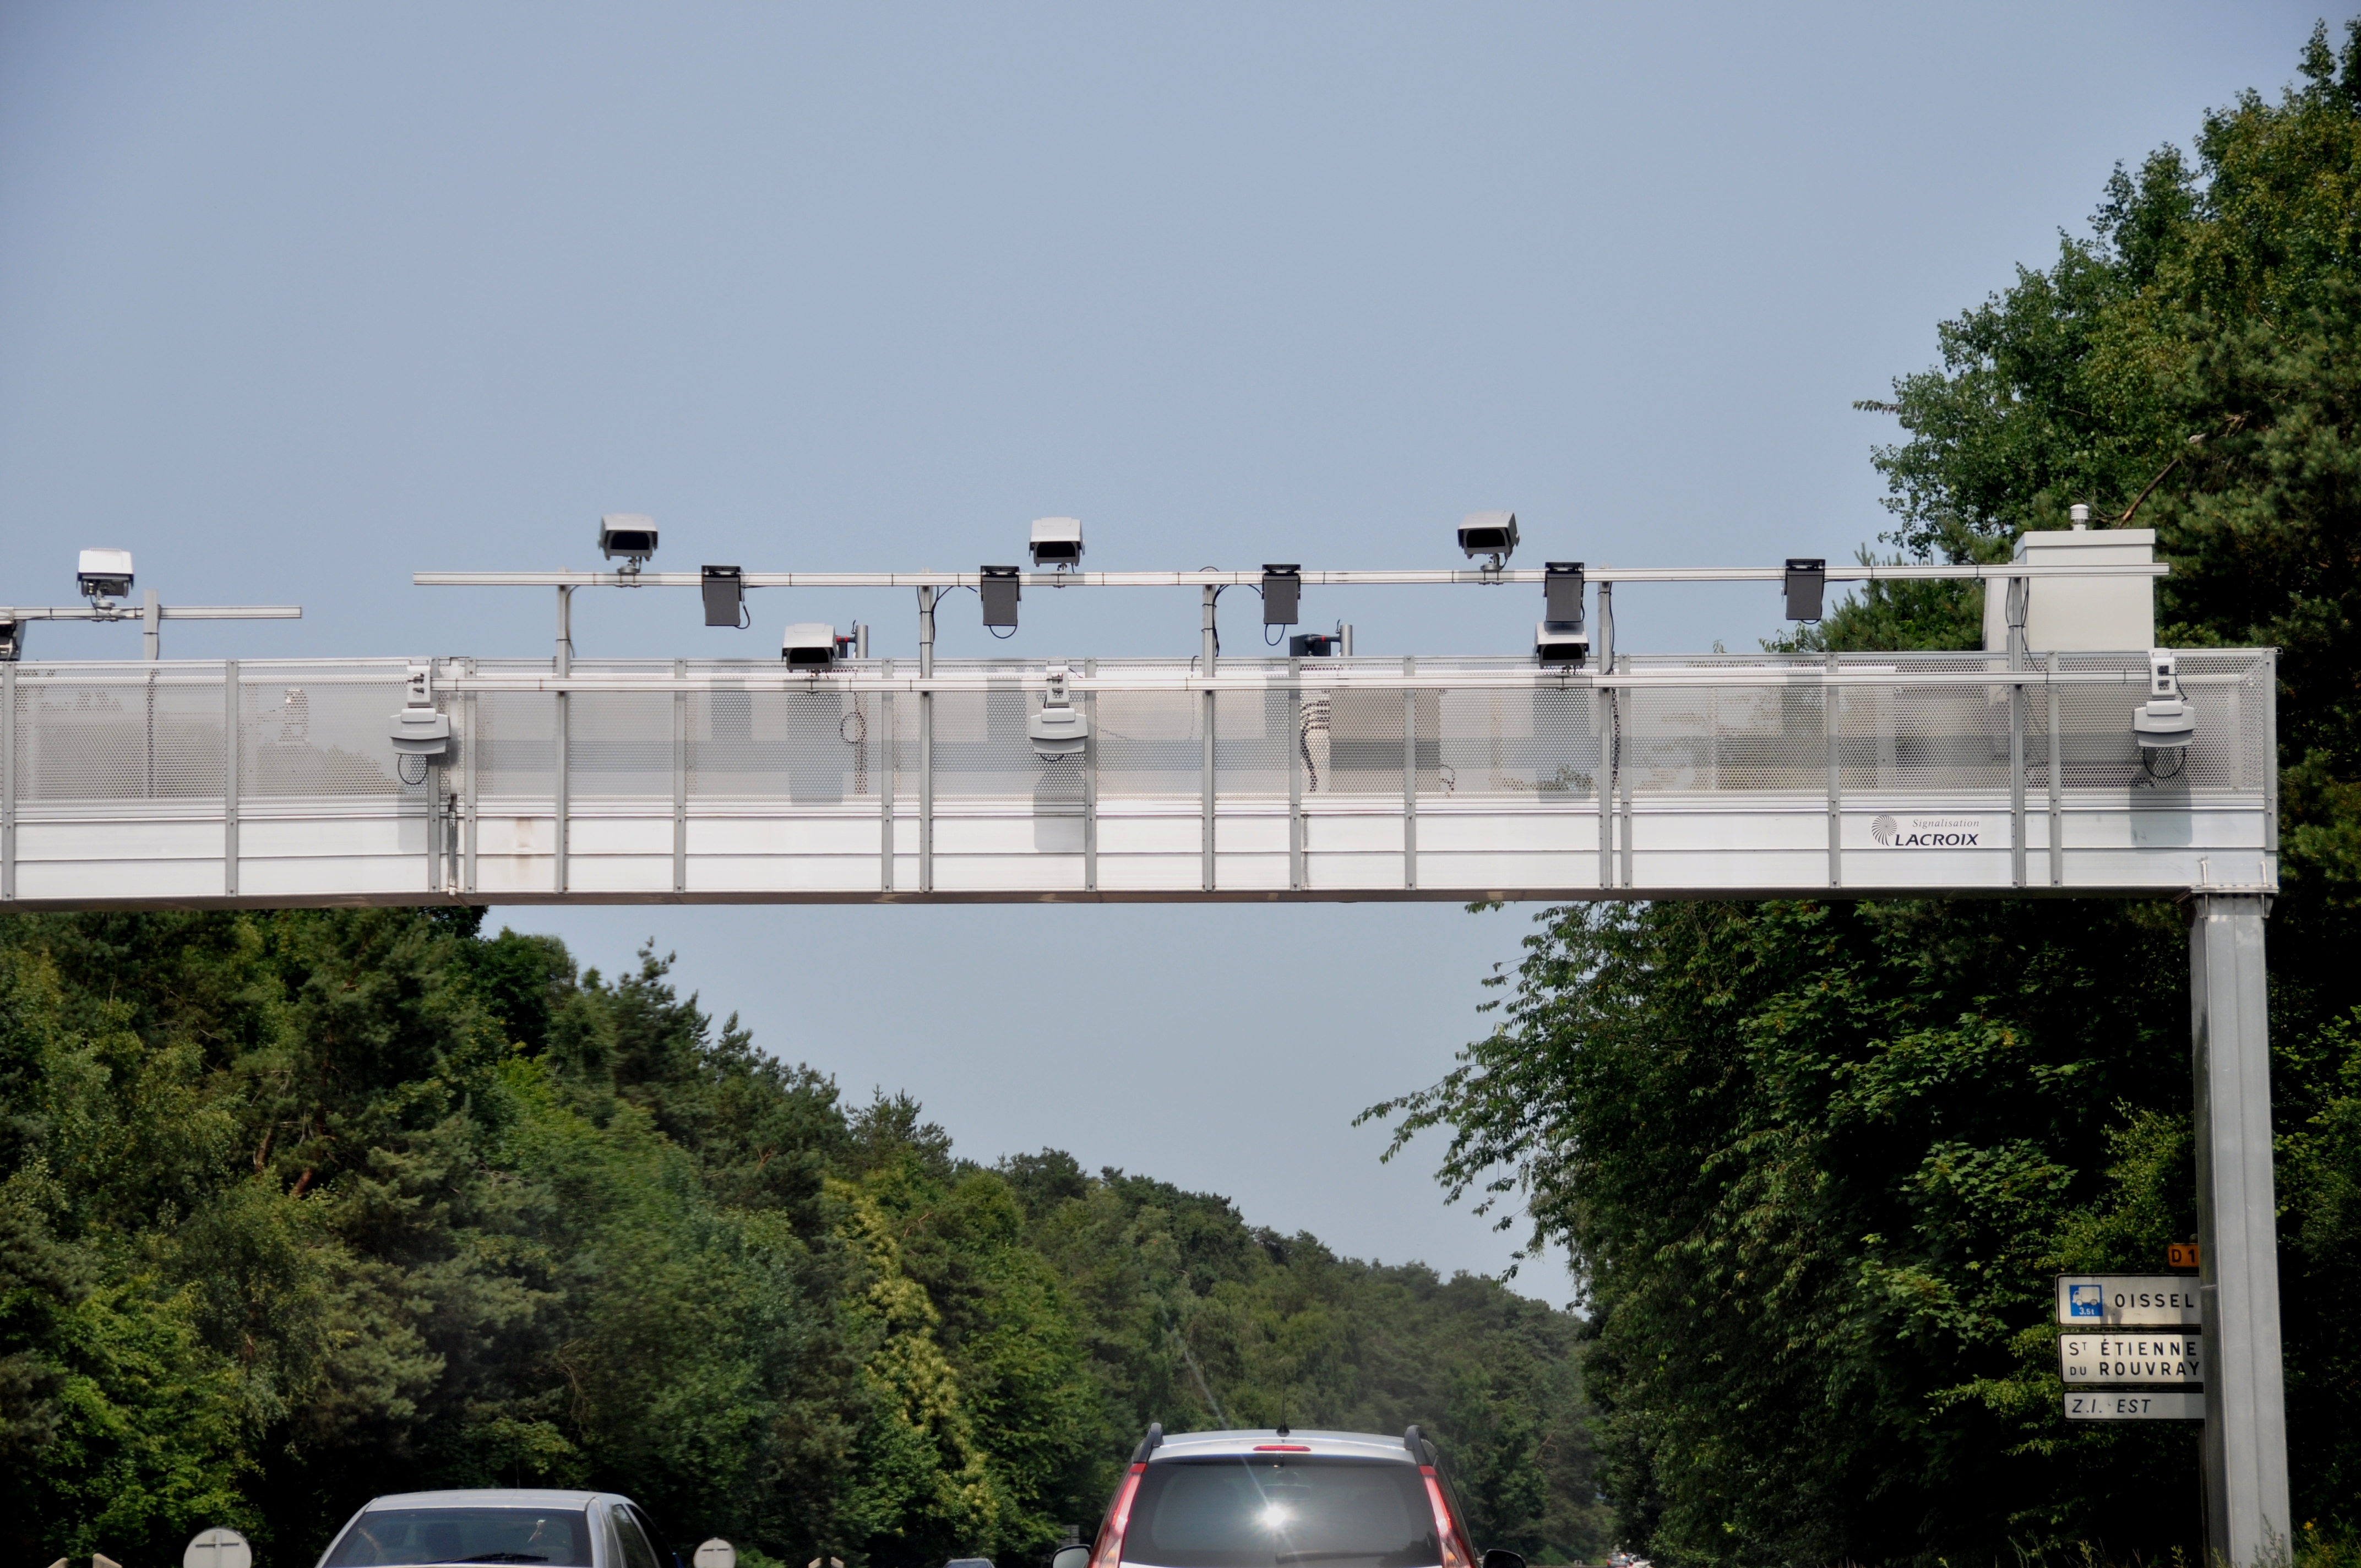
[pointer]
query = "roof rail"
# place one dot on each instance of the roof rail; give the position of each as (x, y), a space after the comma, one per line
(1149, 1443)
(1421, 1450)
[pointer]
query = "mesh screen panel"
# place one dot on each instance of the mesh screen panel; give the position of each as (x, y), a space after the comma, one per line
(304, 736)
(1149, 744)
(618, 745)
(980, 749)
(1689, 740)
(817, 746)
(117, 740)
(1517, 743)
(1365, 741)
(515, 751)
(904, 742)
(1250, 744)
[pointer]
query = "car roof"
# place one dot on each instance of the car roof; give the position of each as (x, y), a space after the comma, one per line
(1332, 1444)
(486, 1497)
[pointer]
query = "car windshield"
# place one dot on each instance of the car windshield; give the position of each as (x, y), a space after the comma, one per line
(1266, 1511)
(383, 1536)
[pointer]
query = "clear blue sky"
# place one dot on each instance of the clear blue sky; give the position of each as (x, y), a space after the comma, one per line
(297, 300)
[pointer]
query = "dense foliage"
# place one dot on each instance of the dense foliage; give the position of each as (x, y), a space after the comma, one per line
(1815, 1162)
(300, 1208)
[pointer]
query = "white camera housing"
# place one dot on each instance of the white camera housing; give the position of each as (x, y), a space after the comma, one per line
(629, 534)
(1492, 533)
(2166, 723)
(418, 730)
(1058, 728)
(1057, 541)
(1561, 643)
(809, 645)
(103, 573)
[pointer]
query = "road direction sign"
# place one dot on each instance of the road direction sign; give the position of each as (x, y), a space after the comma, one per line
(2154, 1356)
(2093, 1407)
(2127, 1301)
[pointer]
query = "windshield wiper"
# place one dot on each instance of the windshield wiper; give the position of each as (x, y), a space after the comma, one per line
(503, 1557)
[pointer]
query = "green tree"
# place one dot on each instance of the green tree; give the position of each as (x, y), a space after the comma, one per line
(1816, 1160)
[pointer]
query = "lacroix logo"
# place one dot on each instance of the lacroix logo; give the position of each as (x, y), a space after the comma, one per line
(1928, 832)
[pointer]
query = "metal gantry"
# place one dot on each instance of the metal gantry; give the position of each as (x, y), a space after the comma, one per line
(2012, 770)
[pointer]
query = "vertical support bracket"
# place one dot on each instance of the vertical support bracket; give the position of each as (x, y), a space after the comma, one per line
(2056, 786)
(680, 780)
(1208, 656)
(888, 776)
(563, 664)
(562, 806)
(1410, 779)
(151, 628)
(1832, 721)
(1091, 783)
(2247, 1520)
(8, 782)
(1608, 711)
(2271, 760)
(1295, 774)
(2015, 767)
(1623, 788)
(470, 769)
(926, 742)
(229, 777)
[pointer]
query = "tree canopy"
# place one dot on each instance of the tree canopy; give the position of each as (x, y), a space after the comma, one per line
(1815, 1162)
(301, 1208)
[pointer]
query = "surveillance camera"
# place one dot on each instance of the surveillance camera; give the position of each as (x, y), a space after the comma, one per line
(419, 730)
(12, 642)
(1311, 645)
(1057, 541)
(1057, 728)
(2166, 723)
(809, 645)
(1492, 533)
(103, 573)
(1561, 643)
(627, 534)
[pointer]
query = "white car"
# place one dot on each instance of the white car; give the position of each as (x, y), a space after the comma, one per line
(525, 1526)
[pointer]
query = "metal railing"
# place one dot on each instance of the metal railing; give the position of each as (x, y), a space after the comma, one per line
(1283, 775)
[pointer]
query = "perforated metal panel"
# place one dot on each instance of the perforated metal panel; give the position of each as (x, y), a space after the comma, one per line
(981, 750)
(1517, 744)
(515, 750)
(1250, 744)
(781, 778)
(1150, 744)
(618, 746)
(817, 745)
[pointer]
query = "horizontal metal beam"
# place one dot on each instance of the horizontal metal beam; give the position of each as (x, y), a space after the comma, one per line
(135, 613)
(1853, 573)
(950, 678)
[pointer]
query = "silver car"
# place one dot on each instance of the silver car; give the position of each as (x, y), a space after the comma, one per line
(1284, 1500)
(522, 1525)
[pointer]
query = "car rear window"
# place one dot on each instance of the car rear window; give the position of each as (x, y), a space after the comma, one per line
(1273, 1511)
(383, 1536)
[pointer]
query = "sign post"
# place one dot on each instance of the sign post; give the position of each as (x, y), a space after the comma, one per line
(2248, 1517)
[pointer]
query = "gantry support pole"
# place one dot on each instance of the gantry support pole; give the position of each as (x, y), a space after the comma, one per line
(2246, 1517)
